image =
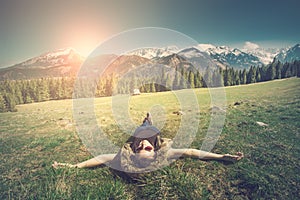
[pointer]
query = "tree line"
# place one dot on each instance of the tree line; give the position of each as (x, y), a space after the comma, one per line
(15, 92)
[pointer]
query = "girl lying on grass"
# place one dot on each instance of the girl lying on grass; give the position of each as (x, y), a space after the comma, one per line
(146, 151)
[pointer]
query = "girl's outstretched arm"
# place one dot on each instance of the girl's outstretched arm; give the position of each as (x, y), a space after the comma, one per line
(93, 162)
(203, 155)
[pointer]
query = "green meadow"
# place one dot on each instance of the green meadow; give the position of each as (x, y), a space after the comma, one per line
(40, 133)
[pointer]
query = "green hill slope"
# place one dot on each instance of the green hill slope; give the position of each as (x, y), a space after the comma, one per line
(39, 133)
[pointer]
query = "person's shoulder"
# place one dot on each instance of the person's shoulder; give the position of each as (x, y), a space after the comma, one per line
(166, 142)
(166, 139)
(126, 149)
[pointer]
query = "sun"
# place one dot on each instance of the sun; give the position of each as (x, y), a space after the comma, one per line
(84, 37)
(85, 44)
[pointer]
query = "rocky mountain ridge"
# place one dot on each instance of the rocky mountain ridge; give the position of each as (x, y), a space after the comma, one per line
(68, 62)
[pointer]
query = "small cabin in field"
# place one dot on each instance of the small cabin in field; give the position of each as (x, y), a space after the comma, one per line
(136, 92)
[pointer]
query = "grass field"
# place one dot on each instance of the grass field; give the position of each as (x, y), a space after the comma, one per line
(40, 133)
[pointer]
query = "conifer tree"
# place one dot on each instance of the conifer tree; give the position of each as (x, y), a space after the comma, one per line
(298, 68)
(43, 90)
(10, 102)
(18, 93)
(231, 76)
(237, 77)
(293, 68)
(286, 70)
(147, 88)
(271, 71)
(278, 70)
(163, 80)
(152, 87)
(207, 78)
(2, 103)
(258, 75)
(217, 78)
(169, 82)
(251, 75)
(198, 79)
(25, 92)
(191, 79)
(158, 86)
(53, 89)
(142, 88)
(100, 88)
(227, 77)
(176, 81)
(183, 79)
(243, 77)
(263, 73)
(133, 82)
(29, 93)
(61, 88)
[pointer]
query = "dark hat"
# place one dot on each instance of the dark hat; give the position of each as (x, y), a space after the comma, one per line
(146, 132)
(150, 133)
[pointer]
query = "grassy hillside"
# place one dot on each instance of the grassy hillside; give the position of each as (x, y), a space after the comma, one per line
(32, 138)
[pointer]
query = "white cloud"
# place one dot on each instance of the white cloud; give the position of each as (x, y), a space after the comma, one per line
(250, 46)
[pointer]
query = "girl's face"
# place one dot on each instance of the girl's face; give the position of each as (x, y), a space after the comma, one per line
(145, 150)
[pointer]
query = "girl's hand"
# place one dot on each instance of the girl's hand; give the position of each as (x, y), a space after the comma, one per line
(57, 165)
(233, 158)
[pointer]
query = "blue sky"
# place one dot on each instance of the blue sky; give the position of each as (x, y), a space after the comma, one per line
(32, 27)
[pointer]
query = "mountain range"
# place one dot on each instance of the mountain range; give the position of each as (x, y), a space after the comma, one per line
(67, 62)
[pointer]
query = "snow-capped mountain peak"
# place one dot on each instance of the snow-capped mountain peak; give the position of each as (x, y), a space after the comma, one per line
(67, 62)
(54, 58)
(289, 55)
(58, 63)
(205, 47)
(191, 52)
(236, 52)
(265, 56)
(154, 52)
(228, 56)
(199, 58)
(60, 52)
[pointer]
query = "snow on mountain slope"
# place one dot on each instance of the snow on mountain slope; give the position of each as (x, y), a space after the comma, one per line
(59, 63)
(204, 47)
(199, 58)
(67, 62)
(54, 58)
(266, 56)
(154, 52)
(232, 57)
(222, 56)
(289, 55)
(193, 52)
